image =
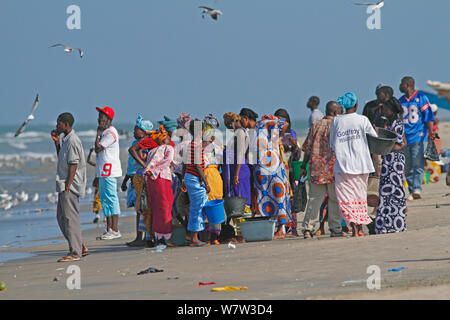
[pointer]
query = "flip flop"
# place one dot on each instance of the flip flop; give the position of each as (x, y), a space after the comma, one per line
(69, 259)
(198, 244)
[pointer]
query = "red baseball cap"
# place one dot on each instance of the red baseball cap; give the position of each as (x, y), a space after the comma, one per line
(107, 110)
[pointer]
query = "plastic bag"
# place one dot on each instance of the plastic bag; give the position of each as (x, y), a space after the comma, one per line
(300, 198)
(431, 153)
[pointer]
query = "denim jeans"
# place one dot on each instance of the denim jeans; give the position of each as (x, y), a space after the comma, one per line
(414, 166)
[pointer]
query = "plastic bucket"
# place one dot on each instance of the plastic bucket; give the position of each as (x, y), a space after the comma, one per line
(259, 230)
(235, 206)
(383, 143)
(215, 212)
(297, 167)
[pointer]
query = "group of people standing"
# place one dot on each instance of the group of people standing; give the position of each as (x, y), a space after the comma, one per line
(341, 164)
(187, 161)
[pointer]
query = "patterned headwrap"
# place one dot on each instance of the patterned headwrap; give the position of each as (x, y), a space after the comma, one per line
(144, 125)
(348, 100)
(210, 124)
(160, 134)
(169, 124)
(211, 121)
(184, 120)
(269, 117)
(229, 118)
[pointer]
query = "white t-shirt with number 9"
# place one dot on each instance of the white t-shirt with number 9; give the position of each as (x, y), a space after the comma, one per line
(108, 161)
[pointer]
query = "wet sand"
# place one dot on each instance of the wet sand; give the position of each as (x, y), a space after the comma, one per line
(293, 268)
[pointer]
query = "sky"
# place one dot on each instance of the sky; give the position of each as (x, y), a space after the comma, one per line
(159, 57)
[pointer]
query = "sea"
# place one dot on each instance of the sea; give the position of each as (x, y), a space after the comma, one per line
(28, 165)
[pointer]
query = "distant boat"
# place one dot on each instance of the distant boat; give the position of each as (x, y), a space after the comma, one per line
(442, 98)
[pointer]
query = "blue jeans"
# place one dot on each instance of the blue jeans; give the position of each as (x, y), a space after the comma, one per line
(414, 166)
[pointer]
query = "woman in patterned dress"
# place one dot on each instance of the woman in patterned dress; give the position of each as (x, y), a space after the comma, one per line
(271, 177)
(391, 211)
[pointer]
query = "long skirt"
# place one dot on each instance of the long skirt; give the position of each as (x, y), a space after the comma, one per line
(161, 200)
(198, 198)
(272, 193)
(216, 184)
(243, 189)
(351, 194)
(391, 212)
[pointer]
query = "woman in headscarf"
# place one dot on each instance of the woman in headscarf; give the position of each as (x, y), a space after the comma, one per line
(272, 196)
(159, 185)
(290, 151)
(391, 211)
(235, 171)
(213, 160)
(135, 188)
(353, 163)
(195, 183)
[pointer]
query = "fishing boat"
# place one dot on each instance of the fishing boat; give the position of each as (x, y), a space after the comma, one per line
(442, 98)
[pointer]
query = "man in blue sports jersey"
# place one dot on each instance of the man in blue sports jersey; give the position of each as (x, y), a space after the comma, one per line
(418, 120)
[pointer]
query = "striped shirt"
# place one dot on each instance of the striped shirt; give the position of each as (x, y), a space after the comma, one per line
(196, 156)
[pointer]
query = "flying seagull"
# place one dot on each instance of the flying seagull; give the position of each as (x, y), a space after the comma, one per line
(30, 117)
(68, 49)
(212, 12)
(378, 5)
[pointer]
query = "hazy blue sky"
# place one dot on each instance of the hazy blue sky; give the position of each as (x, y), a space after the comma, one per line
(160, 57)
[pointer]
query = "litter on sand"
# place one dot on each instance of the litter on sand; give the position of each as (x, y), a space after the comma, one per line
(2, 286)
(231, 246)
(397, 269)
(228, 289)
(205, 284)
(150, 270)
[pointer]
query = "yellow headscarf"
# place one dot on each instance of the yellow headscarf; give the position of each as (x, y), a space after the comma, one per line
(229, 118)
(159, 135)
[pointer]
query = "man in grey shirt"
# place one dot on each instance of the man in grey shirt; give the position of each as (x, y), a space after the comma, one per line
(70, 185)
(316, 114)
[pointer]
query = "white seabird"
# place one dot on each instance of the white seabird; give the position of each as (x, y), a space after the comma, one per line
(35, 197)
(30, 117)
(68, 49)
(214, 13)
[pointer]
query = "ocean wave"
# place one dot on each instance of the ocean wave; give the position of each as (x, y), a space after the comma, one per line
(28, 134)
(26, 156)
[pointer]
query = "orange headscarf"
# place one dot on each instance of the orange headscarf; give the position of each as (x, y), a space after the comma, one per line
(159, 135)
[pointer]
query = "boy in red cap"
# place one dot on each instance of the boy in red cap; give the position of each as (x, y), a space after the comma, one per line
(108, 170)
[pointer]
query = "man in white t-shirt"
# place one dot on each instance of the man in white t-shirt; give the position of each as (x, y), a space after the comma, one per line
(353, 162)
(108, 170)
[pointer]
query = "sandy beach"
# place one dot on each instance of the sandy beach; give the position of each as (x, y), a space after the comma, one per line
(293, 268)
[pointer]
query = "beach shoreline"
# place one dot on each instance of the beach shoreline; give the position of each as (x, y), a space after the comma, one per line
(293, 268)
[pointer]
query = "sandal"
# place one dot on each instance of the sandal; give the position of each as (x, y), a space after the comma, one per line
(84, 252)
(198, 244)
(69, 259)
(362, 234)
